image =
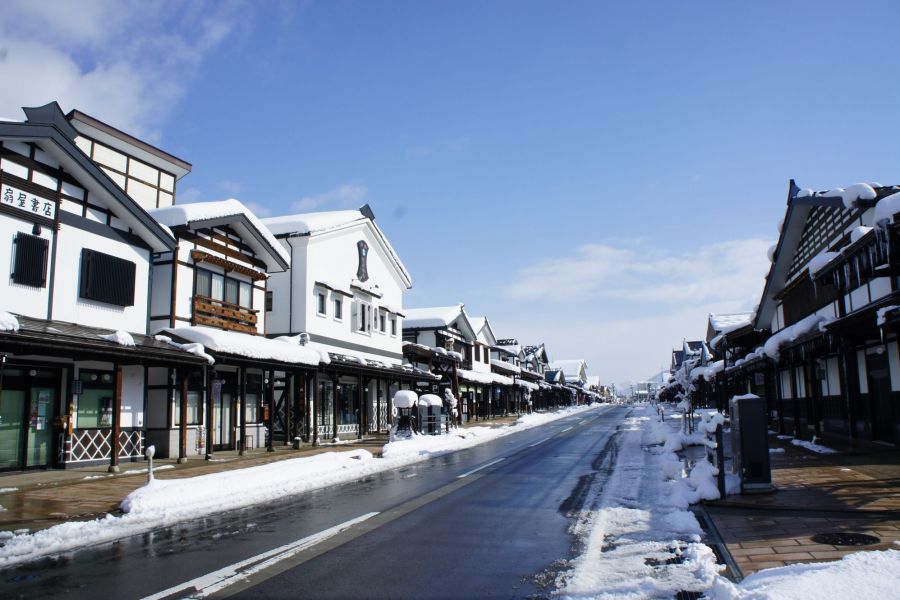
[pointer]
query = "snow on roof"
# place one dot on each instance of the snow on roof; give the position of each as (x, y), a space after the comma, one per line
(729, 321)
(886, 208)
(436, 316)
(505, 366)
(123, 338)
(315, 222)
(858, 232)
(8, 322)
(477, 323)
(593, 380)
(820, 261)
(849, 196)
(789, 334)
(250, 346)
(196, 212)
(570, 368)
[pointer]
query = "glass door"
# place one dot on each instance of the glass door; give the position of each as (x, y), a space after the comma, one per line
(12, 417)
(37, 453)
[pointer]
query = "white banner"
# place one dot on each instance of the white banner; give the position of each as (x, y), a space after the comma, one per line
(27, 202)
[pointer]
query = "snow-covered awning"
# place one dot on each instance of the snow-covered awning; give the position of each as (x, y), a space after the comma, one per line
(284, 349)
(505, 366)
(475, 376)
(527, 385)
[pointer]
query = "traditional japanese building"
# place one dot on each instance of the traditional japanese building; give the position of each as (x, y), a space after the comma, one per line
(343, 296)
(212, 290)
(75, 355)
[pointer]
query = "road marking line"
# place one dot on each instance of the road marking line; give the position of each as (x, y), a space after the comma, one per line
(539, 443)
(211, 583)
(490, 464)
(566, 429)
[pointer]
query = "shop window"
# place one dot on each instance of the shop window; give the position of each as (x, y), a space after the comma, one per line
(106, 278)
(254, 396)
(94, 409)
(30, 264)
(195, 391)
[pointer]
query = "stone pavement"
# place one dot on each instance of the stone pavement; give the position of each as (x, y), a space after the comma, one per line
(854, 491)
(36, 500)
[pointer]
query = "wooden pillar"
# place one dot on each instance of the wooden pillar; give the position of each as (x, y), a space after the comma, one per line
(182, 414)
(334, 409)
(363, 425)
(116, 421)
(209, 414)
(290, 398)
(315, 415)
(270, 404)
(850, 386)
(242, 408)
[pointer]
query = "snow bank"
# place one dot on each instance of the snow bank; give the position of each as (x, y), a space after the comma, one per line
(858, 575)
(122, 338)
(8, 322)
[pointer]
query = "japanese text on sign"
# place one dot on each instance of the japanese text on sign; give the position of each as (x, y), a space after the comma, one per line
(16, 198)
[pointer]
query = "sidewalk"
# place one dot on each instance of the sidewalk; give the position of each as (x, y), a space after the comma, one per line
(36, 500)
(854, 491)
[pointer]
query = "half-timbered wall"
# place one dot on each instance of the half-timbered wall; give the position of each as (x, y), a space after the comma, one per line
(219, 255)
(147, 185)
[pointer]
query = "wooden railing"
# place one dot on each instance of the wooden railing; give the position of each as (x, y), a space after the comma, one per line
(224, 315)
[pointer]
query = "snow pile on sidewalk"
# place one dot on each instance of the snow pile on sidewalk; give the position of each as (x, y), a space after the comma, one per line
(857, 575)
(162, 503)
(639, 541)
(813, 446)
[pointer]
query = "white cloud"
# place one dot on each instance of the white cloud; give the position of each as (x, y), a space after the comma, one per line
(726, 271)
(348, 195)
(124, 61)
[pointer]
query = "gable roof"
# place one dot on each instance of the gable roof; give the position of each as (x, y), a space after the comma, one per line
(720, 322)
(47, 126)
(439, 316)
(480, 324)
(852, 201)
(573, 368)
(319, 223)
(228, 212)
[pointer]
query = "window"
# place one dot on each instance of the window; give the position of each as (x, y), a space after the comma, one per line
(30, 265)
(363, 317)
(195, 390)
(394, 326)
(477, 353)
(338, 309)
(218, 287)
(382, 322)
(107, 278)
(94, 408)
(269, 301)
(231, 291)
(320, 305)
(254, 396)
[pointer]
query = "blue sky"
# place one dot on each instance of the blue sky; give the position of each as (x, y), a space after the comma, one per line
(595, 175)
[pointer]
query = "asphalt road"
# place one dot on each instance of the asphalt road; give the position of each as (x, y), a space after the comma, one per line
(488, 522)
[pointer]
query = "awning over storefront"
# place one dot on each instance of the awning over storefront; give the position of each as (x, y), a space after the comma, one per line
(80, 342)
(225, 346)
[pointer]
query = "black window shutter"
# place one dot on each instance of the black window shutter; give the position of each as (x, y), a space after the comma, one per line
(107, 278)
(30, 266)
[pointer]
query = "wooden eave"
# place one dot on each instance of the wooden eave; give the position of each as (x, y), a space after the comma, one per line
(229, 266)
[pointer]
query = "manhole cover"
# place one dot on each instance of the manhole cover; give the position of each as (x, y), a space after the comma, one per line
(845, 539)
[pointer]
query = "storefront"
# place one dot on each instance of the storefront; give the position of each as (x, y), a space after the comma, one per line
(29, 396)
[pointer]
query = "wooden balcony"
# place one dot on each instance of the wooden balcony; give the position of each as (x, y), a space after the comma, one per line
(224, 315)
